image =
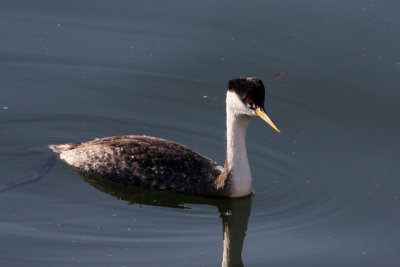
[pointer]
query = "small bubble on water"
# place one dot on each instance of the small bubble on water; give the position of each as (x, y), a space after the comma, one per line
(228, 213)
(5, 108)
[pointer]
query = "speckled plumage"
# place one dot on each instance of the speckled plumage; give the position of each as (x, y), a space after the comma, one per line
(147, 161)
(155, 162)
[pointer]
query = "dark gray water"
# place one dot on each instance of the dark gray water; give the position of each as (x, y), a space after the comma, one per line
(327, 190)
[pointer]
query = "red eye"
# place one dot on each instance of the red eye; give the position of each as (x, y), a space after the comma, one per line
(248, 100)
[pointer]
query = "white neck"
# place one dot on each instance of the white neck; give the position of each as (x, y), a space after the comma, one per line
(236, 153)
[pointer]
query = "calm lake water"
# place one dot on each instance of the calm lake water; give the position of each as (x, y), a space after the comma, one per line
(327, 189)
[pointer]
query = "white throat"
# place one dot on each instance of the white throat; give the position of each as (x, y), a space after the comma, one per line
(236, 152)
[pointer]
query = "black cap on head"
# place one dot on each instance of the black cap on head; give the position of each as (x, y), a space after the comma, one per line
(250, 90)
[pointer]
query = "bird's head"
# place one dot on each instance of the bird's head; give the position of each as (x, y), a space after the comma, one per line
(246, 96)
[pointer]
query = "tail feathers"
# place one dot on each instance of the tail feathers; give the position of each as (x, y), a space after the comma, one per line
(58, 149)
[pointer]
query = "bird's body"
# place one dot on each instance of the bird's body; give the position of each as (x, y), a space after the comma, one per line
(146, 161)
(155, 162)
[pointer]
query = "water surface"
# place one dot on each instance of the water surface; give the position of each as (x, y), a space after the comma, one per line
(326, 190)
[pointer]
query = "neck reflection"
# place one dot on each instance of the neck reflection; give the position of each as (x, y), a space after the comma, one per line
(233, 212)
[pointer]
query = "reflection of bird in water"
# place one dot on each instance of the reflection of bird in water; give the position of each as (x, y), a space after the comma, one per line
(234, 212)
(154, 162)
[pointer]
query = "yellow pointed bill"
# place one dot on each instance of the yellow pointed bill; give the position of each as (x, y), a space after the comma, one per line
(264, 116)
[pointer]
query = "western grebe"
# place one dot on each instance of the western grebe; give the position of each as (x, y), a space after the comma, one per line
(155, 162)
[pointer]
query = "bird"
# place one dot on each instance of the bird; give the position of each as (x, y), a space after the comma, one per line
(154, 162)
